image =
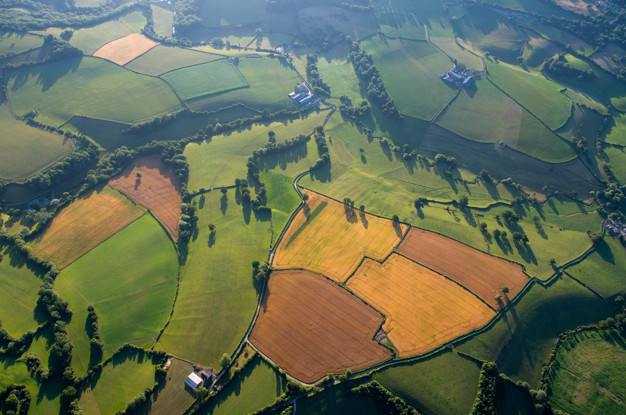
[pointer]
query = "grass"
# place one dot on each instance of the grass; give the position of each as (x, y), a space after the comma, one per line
(410, 70)
(19, 284)
(338, 400)
(281, 198)
(90, 87)
(265, 91)
(617, 159)
(135, 21)
(161, 59)
(223, 159)
(521, 341)
(337, 71)
(256, 386)
(587, 378)
(531, 6)
(205, 79)
(163, 20)
(14, 43)
(617, 133)
(133, 298)
(537, 94)
(603, 269)
(398, 25)
(18, 158)
(429, 385)
(222, 13)
(119, 382)
(91, 39)
(173, 397)
(217, 299)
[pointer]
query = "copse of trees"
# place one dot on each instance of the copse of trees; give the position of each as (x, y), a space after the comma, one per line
(186, 17)
(315, 79)
(15, 400)
(560, 67)
(386, 401)
(260, 273)
(322, 148)
(490, 390)
(348, 111)
(96, 343)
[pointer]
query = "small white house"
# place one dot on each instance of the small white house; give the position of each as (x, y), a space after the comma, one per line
(193, 381)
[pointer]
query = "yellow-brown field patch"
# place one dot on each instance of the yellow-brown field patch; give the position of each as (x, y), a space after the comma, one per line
(328, 238)
(424, 309)
(85, 223)
(125, 49)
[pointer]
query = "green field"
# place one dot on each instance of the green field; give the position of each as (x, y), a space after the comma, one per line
(221, 160)
(12, 43)
(163, 20)
(617, 132)
(91, 39)
(534, 92)
(281, 198)
(404, 26)
(135, 21)
(269, 81)
(19, 284)
(221, 13)
(588, 376)
(90, 87)
(206, 79)
(256, 386)
(531, 6)
(337, 71)
(119, 382)
(161, 59)
(19, 141)
(216, 300)
(603, 270)
(617, 158)
(521, 341)
(410, 71)
(133, 298)
(444, 384)
(173, 397)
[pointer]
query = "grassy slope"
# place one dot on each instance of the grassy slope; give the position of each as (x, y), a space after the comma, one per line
(91, 87)
(92, 38)
(337, 71)
(521, 341)
(135, 21)
(130, 279)
(18, 141)
(163, 20)
(15, 43)
(401, 25)
(617, 133)
(281, 198)
(617, 160)
(216, 300)
(161, 59)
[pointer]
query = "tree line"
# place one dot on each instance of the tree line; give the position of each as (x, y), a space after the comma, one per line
(315, 79)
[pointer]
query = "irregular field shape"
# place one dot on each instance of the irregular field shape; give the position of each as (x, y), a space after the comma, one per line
(163, 20)
(174, 397)
(209, 78)
(123, 50)
(161, 59)
(91, 39)
(85, 223)
(481, 273)
(424, 310)
(158, 189)
(90, 87)
(311, 327)
(11, 42)
(330, 244)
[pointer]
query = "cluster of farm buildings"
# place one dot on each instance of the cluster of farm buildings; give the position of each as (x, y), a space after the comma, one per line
(303, 97)
(615, 227)
(194, 380)
(457, 77)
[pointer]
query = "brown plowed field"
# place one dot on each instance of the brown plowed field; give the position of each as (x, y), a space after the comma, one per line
(158, 189)
(479, 272)
(125, 49)
(85, 223)
(424, 309)
(324, 238)
(311, 327)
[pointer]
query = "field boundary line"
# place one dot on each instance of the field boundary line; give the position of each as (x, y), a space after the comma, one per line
(189, 66)
(445, 106)
(597, 294)
(169, 318)
(140, 55)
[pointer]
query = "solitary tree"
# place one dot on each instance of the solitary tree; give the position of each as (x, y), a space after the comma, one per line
(395, 219)
(305, 197)
(225, 360)
(138, 175)
(505, 290)
(498, 298)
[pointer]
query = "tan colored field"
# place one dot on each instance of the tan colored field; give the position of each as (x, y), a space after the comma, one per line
(481, 273)
(311, 327)
(125, 49)
(324, 238)
(158, 189)
(85, 223)
(424, 310)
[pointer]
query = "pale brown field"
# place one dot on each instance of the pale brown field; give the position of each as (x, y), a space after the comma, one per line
(311, 327)
(324, 239)
(424, 309)
(158, 189)
(85, 223)
(125, 49)
(481, 273)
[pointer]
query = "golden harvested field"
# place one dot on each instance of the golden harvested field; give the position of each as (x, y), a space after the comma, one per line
(125, 49)
(158, 189)
(85, 223)
(424, 309)
(324, 238)
(481, 273)
(311, 327)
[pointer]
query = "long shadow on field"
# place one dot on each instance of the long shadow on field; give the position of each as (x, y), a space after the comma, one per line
(224, 204)
(281, 160)
(321, 174)
(604, 250)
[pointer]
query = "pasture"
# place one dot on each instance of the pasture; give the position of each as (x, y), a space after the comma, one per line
(416, 302)
(130, 279)
(411, 70)
(12, 43)
(538, 49)
(45, 399)
(587, 376)
(397, 25)
(118, 384)
(534, 92)
(311, 327)
(617, 158)
(221, 13)
(531, 6)
(256, 386)
(157, 188)
(617, 132)
(205, 79)
(480, 273)
(125, 49)
(173, 397)
(90, 87)
(163, 20)
(357, 24)
(18, 158)
(217, 299)
(85, 223)
(339, 74)
(161, 59)
(90, 39)
(281, 198)
(330, 238)
(134, 20)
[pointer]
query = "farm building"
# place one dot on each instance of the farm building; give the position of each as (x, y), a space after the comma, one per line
(302, 96)
(457, 77)
(193, 381)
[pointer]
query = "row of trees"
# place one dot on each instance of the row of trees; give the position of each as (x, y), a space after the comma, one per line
(96, 343)
(560, 67)
(347, 110)
(322, 148)
(15, 400)
(315, 79)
